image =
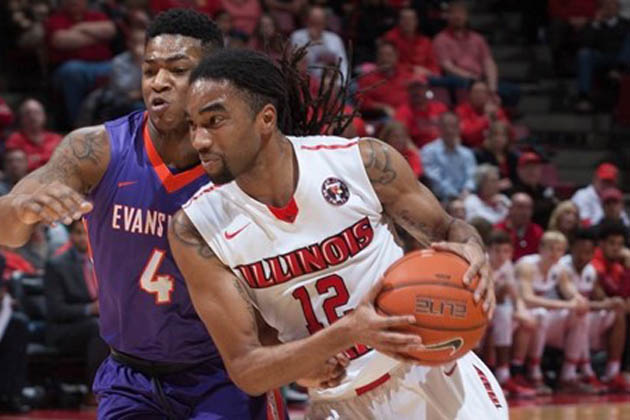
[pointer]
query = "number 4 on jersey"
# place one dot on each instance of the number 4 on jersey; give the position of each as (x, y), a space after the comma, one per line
(161, 285)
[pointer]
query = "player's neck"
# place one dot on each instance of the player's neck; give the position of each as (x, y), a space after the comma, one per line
(545, 265)
(273, 176)
(174, 146)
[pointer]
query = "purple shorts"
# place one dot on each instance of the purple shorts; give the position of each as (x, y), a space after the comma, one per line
(203, 392)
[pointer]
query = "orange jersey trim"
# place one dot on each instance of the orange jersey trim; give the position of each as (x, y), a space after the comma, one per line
(172, 182)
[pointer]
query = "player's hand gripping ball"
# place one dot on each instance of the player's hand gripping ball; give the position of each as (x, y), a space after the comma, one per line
(429, 285)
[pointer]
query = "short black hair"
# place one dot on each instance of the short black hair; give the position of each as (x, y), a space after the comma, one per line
(499, 237)
(187, 22)
(584, 234)
(265, 81)
(610, 228)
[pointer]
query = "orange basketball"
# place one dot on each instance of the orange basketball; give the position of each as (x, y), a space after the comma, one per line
(428, 284)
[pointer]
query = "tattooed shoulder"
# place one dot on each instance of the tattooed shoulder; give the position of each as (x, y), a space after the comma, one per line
(377, 160)
(185, 232)
(80, 159)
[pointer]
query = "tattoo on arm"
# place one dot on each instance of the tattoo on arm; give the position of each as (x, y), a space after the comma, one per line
(82, 149)
(188, 235)
(250, 308)
(378, 164)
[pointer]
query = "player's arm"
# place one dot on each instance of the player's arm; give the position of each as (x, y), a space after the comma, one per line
(568, 291)
(223, 305)
(525, 277)
(55, 191)
(412, 206)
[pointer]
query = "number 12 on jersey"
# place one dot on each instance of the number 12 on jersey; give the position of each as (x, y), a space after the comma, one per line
(330, 305)
(161, 285)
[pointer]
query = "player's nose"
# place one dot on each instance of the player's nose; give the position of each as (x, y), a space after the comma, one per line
(161, 81)
(201, 139)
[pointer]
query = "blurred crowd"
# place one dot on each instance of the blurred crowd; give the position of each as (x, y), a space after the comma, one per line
(422, 80)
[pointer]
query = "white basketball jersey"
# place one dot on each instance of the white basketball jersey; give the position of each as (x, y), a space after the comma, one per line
(310, 263)
(543, 285)
(584, 281)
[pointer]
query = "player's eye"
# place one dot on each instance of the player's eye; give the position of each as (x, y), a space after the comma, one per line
(180, 70)
(216, 119)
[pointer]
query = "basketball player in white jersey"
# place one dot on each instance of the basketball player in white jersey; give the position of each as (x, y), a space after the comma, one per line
(607, 316)
(561, 323)
(510, 315)
(296, 236)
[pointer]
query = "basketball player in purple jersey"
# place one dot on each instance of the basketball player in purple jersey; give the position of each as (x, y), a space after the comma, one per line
(130, 175)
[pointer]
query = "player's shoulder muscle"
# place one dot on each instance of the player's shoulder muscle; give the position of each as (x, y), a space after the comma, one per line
(80, 160)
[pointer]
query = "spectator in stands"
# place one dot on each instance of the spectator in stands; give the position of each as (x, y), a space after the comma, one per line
(78, 40)
(325, 47)
(25, 27)
(612, 203)
(496, 151)
(524, 232)
(266, 37)
(419, 113)
(448, 165)
(6, 117)
(568, 19)
(15, 168)
(123, 93)
(384, 89)
(606, 49)
(588, 199)
(529, 180)
(464, 56)
(285, 13)
(367, 20)
(13, 356)
(487, 202)
(71, 298)
(209, 7)
(478, 113)
(245, 14)
(456, 208)
(32, 137)
(414, 50)
(224, 21)
(395, 134)
(565, 218)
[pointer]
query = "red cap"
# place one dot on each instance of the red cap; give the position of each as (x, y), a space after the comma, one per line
(607, 171)
(527, 158)
(611, 194)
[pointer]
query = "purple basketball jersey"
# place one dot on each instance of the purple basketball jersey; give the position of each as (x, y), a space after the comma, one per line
(145, 309)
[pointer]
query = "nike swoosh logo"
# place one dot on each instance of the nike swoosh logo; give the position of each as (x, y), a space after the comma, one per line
(229, 236)
(126, 183)
(454, 344)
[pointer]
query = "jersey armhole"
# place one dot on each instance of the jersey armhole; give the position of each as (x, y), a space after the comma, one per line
(363, 174)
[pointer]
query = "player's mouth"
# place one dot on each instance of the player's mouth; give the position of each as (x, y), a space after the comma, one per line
(159, 105)
(210, 162)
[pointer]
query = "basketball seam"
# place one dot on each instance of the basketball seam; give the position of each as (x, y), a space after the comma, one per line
(424, 283)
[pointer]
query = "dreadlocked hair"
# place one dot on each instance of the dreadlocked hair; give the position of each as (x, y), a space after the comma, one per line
(280, 83)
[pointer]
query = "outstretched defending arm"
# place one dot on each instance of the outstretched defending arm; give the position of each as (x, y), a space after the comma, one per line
(224, 307)
(55, 192)
(412, 206)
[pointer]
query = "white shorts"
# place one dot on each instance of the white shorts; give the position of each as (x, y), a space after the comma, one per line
(464, 390)
(598, 323)
(556, 322)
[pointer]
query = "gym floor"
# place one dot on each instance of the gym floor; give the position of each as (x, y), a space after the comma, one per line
(559, 407)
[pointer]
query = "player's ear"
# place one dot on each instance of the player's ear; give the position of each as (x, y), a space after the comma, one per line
(267, 119)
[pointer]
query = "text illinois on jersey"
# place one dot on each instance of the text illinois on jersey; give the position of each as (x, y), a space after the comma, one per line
(332, 251)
